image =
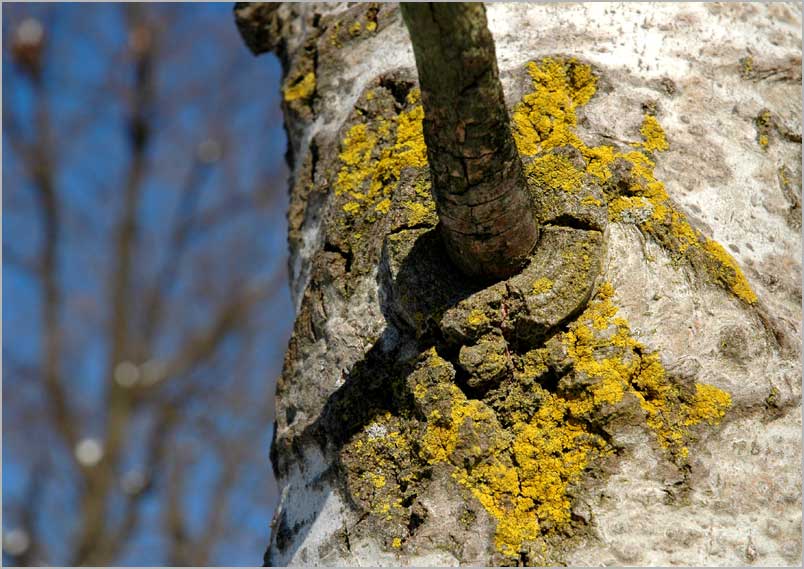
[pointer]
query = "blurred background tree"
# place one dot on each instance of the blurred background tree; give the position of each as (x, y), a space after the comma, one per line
(145, 299)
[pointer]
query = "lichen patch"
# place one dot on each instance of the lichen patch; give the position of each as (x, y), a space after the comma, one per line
(373, 155)
(517, 395)
(545, 120)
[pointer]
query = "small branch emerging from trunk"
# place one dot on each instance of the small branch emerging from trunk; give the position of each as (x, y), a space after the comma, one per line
(487, 220)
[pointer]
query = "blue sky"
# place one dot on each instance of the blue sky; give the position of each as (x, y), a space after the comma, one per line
(208, 87)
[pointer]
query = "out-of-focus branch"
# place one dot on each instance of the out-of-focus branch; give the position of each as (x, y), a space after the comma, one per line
(182, 226)
(109, 512)
(119, 403)
(28, 267)
(197, 551)
(180, 544)
(28, 52)
(231, 207)
(167, 417)
(36, 551)
(188, 223)
(203, 344)
(231, 457)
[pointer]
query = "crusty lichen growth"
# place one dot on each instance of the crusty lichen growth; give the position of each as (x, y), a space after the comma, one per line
(764, 124)
(554, 171)
(302, 88)
(380, 466)
(545, 120)
(630, 368)
(746, 67)
(476, 318)
(522, 449)
(520, 437)
(521, 474)
(653, 135)
(421, 211)
(371, 163)
(541, 285)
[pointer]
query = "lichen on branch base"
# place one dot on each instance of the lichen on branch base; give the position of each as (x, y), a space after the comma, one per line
(521, 388)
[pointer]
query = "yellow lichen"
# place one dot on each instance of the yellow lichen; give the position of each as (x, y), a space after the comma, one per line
(533, 363)
(784, 178)
(369, 170)
(476, 318)
(709, 406)
(683, 232)
(334, 40)
(351, 207)
(433, 359)
(303, 88)
(522, 474)
(746, 67)
(378, 480)
(354, 29)
(541, 285)
(418, 211)
(378, 455)
(670, 412)
(764, 123)
(419, 391)
(523, 482)
(439, 441)
(554, 171)
(396, 543)
(728, 271)
(653, 134)
(384, 206)
(546, 118)
(355, 156)
(382, 508)
(371, 26)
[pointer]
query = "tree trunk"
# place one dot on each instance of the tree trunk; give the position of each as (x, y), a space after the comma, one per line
(632, 394)
(478, 182)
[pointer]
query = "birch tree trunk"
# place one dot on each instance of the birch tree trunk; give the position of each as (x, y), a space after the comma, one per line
(632, 395)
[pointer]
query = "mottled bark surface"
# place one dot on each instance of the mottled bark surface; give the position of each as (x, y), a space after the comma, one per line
(632, 395)
(478, 183)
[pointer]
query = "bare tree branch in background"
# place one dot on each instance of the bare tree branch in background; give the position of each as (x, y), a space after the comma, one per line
(171, 296)
(119, 404)
(28, 48)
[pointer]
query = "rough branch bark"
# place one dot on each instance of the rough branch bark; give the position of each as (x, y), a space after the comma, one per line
(486, 219)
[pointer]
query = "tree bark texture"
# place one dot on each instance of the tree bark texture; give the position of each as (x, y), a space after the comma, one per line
(630, 396)
(478, 182)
